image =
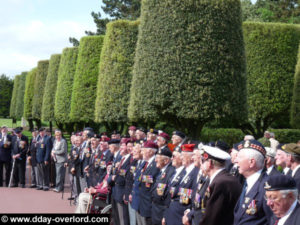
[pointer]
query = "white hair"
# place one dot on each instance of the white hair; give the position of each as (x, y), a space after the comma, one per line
(286, 192)
(254, 154)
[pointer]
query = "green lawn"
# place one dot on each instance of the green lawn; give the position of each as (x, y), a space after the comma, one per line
(8, 122)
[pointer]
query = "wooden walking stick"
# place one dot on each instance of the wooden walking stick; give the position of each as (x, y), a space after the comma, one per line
(12, 173)
(89, 204)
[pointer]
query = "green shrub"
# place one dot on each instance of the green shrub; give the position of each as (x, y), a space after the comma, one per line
(13, 102)
(29, 92)
(85, 80)
(20, 96)
(295, 110)
(271, 54)
(50, 88)
(115, 73)
(189, 65)
(230, 136)
(66, 74)
(39, 86)
(286, 135)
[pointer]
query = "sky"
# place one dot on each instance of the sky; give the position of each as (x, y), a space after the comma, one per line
(33, 30)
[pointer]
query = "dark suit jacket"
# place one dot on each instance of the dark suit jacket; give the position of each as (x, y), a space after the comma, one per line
(16, 149)
(222, 195)
(293, 219)
(159, 195)
(136, 187)
(43, 149)
(32, 152)
(130, 178)
(104, 159)
(5, 152)
(274, 171)
(263, 213)
(145, 189)
(297, 179)
(74, 161)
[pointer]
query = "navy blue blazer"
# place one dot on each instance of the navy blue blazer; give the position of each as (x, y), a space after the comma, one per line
(262, 214)
(145, 189)
(274, 171)
(135, 186)
(16, 149)
(5, 150)
(129, 179)
(176, 209)
(297, 178)
(43, 149)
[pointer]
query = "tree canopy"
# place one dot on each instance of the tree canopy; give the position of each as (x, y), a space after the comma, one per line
(6, 88)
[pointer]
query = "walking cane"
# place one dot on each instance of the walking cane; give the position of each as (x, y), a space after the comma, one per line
(72, 188)
(88, 206)
(63, 185)
(12, 172)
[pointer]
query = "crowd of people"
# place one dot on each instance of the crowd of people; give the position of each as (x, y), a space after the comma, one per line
(151, 178)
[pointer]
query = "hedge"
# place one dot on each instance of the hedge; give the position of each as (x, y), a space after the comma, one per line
(13, 102)
(286, 135)
(20, 96)
(189, 66)
(66, 74)
(271, 54)
(29, 92)
(85, 80)
(50, 88)
(115, 73)
(39, 86)
(295, 110)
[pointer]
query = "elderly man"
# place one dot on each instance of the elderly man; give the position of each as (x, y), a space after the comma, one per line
(5, 155)
(281, 197)
(251, 209)
(282, 160)
(59, 155)
(178, 138)
(294, 159)
(32, 157)
(162, 140)
(273, 142)
(223, 190)
(140, 134)
(183, 191)
(270, 162)
(159, 190)
(148, 178)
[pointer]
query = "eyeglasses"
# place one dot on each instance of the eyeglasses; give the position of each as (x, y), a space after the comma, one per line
(270, 199)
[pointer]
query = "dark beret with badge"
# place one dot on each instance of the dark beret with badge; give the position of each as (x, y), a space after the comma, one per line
(141, 129)
(17, 130)
(252, 145)
(153, 131)
(88, 129)
(41, 129)
(179, 134)
(114, 141)
(280, 182)
(164, 152)
(115, 132)
(222, 145)
(292, 149)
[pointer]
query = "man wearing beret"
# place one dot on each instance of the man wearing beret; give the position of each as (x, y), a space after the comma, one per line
(281, 197)
(178, 138)
(152, 134)
(5, 155)
(162, 140)
(294, 159)
(43, 160)
(148, 178)
(282, 160)
(160, 188)
(251, 209)
(140, 134)
(183, 192)
(223, 190)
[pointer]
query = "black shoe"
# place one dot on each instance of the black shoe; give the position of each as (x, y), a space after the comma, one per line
(71, 198)
(39, 188)
(33, 186)
(23, 185)
(46, 189)
(13, 186)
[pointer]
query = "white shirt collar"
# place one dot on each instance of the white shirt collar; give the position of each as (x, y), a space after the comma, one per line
(295, 170)
(163, 169)
(270, 169)
(116, 153)
(151, 160)
(125, 157)
(188, 171)
(214, 175)
(284, 218)
(178, 171)
(252, 180)
(286, 170)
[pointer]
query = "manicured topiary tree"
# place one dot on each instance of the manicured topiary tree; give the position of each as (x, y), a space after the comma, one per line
(20, 96)
(50, 89)
(28, 96)
(117, 58)
(66, 74)
(189, 65)
(85, 80)
(295, 111)
(13, 102)
(271, 54)
(39, 86)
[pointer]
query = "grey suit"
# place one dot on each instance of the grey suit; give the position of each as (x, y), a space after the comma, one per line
(60, 150)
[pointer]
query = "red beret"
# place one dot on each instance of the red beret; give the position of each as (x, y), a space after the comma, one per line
(165, 136)
(188, 147)
(150, 144)
(106, 139)
(132, 128)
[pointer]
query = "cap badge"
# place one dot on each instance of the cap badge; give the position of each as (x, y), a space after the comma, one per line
(267, 186)
(247, 144)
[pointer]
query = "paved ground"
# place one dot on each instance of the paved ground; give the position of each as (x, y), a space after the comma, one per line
(30, 200)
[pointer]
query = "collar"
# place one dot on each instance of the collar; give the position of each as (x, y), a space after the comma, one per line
(116, 153)
(270, 169)
(295, 170)
(151, 160)
(105, 151)
(214, 175)
(188, 171)
(252, 180)
(288, 213)
(163, 169)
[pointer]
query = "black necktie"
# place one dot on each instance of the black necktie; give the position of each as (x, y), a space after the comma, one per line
(243, 193)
